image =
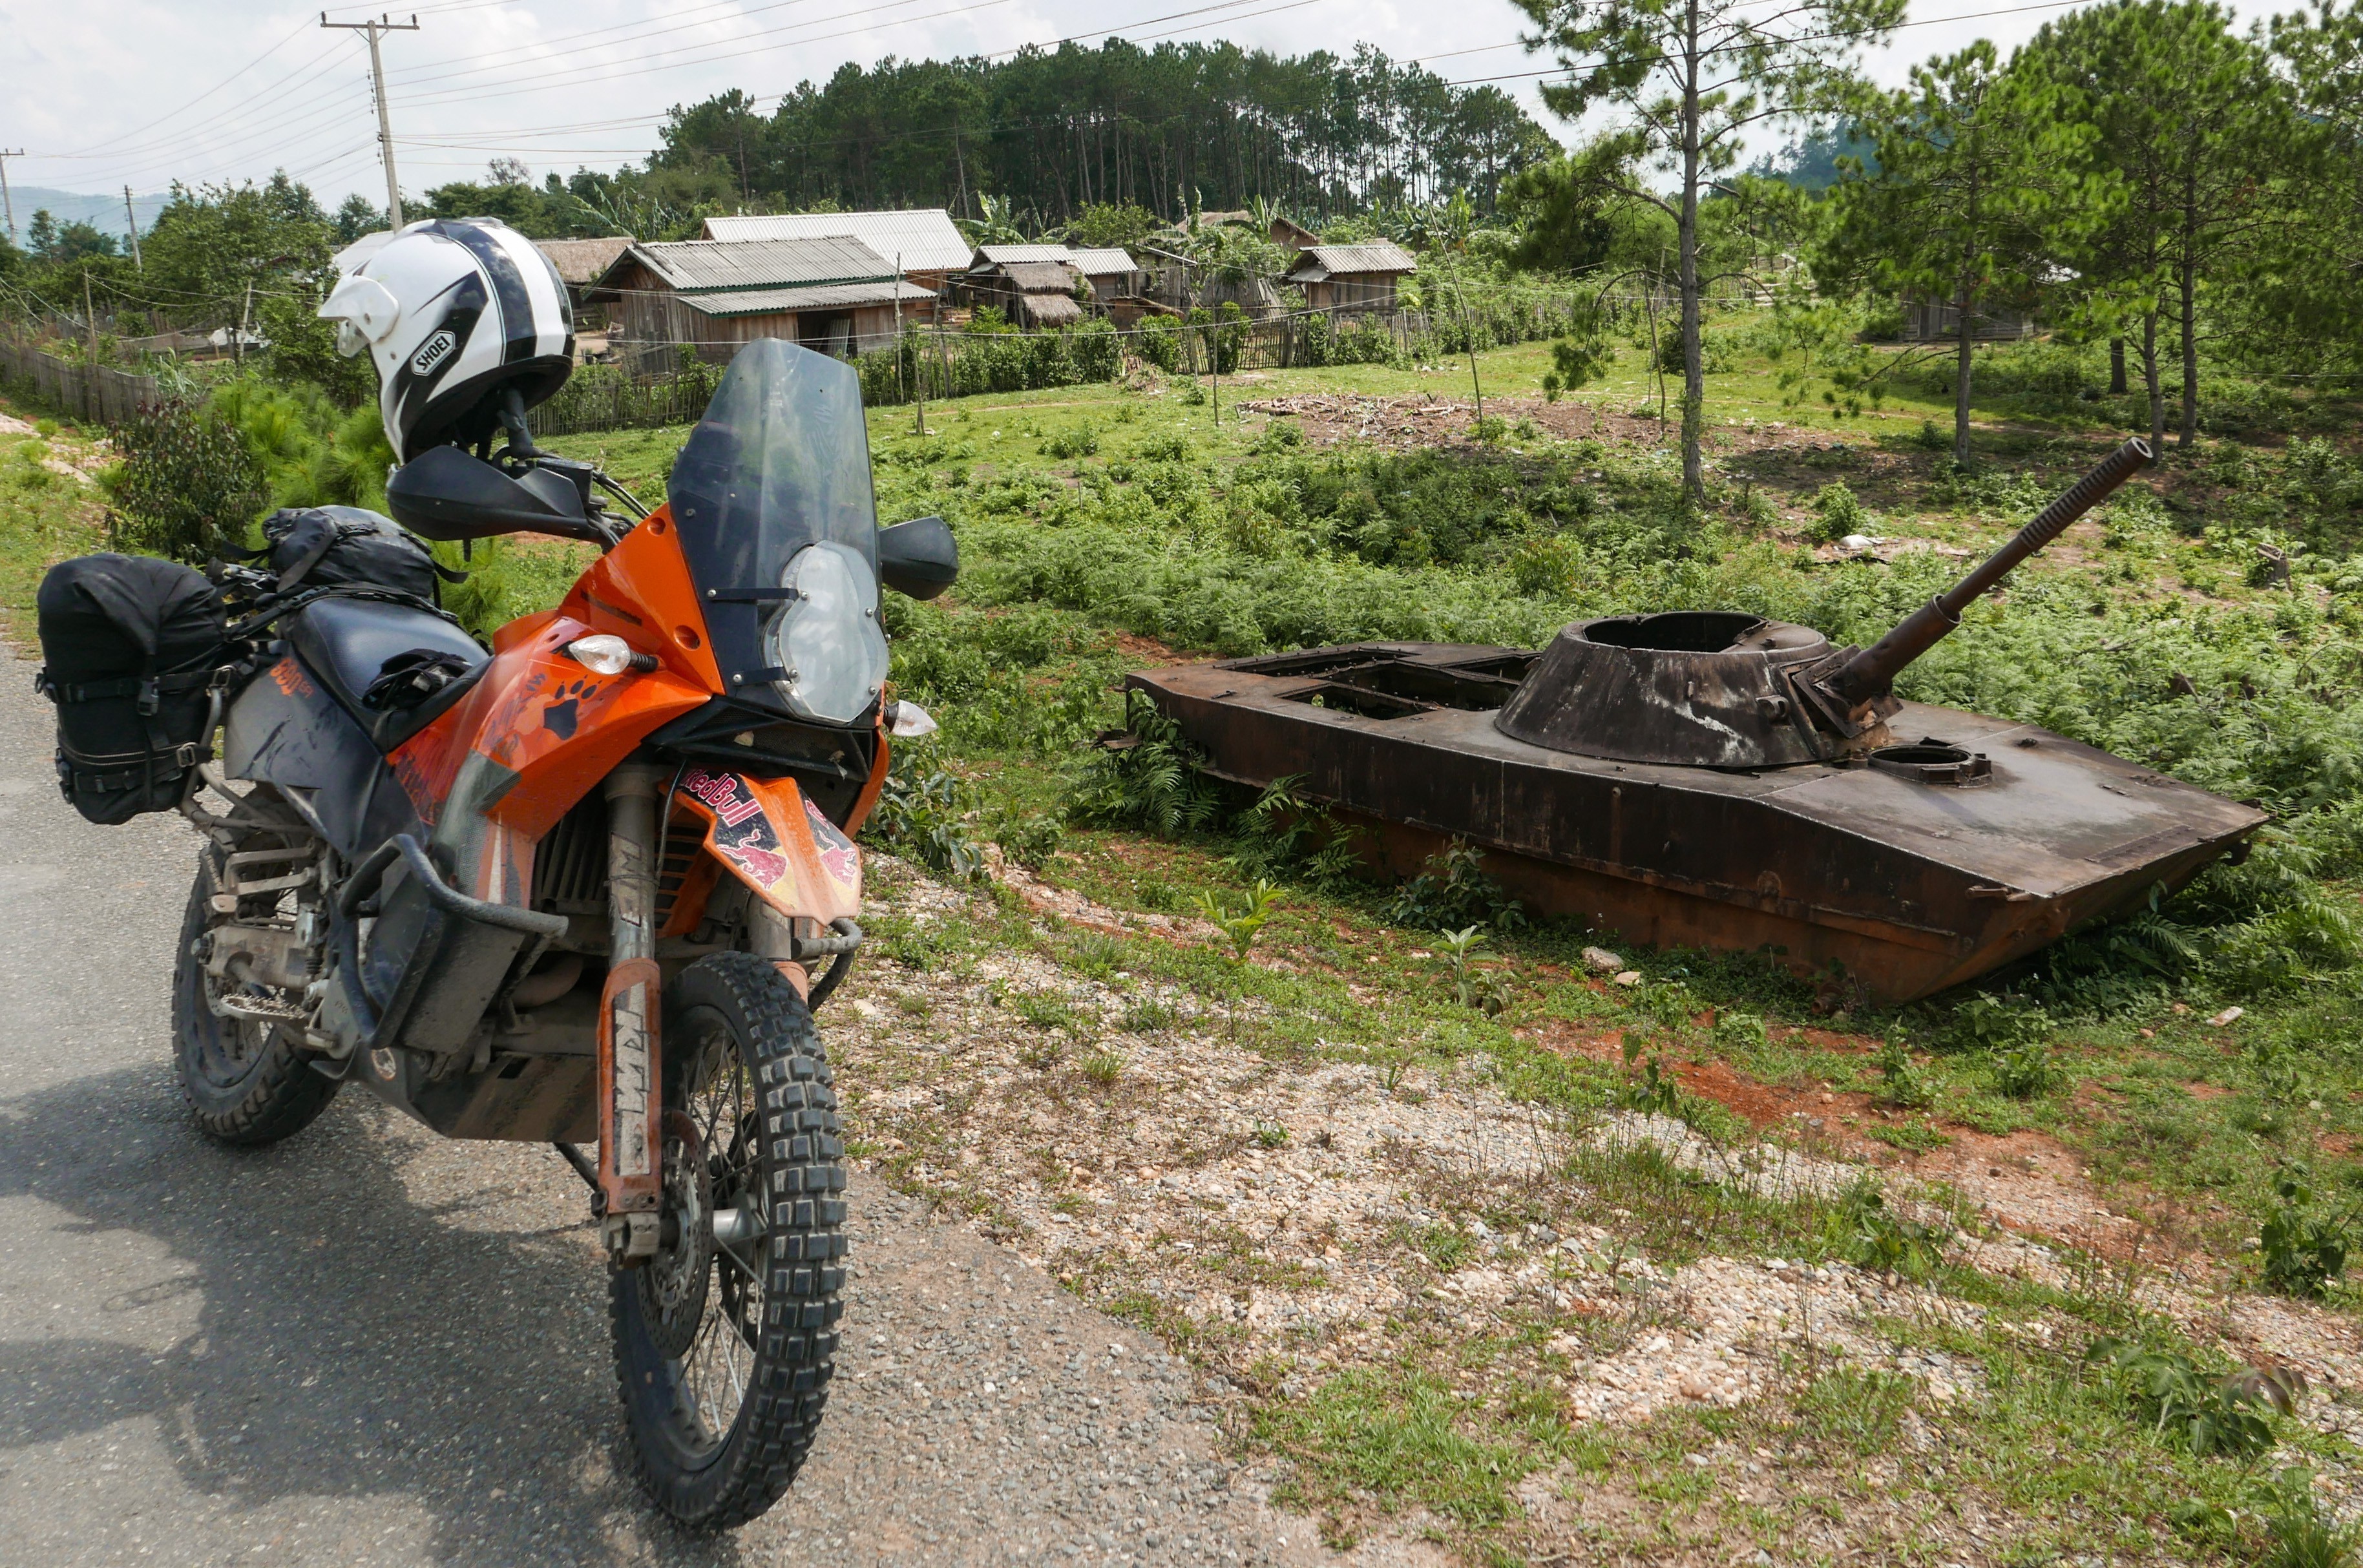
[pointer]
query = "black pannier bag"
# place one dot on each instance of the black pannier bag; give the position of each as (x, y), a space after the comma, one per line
(130, 644)
(345, 547)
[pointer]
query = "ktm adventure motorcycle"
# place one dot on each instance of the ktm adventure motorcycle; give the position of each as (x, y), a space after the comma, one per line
(592, 886)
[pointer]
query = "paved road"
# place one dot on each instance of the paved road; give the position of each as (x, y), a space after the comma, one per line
(369, 1346)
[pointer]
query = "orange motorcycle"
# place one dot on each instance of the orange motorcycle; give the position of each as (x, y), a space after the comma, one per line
(591, 885)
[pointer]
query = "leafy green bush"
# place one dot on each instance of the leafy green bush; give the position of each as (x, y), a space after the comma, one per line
(313, 452)
(187, 487)
(2303, 1249)
(1097, 351)
(1837, 513)
(1075, 441)
(1215, 337)
(2026, 1072)
(1874, 1236)
(1030, 839)
(1902, 1083)
(925, 816)
(1453, 891)
(2201, 1415)
(1159, 341)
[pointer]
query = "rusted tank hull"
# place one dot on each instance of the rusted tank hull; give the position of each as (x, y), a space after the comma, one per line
(1902, 886)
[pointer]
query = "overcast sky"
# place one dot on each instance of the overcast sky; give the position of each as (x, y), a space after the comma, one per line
(102, 93)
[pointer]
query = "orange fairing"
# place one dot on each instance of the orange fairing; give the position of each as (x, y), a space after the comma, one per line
(777, 842)
(641, 592)
(541, 715)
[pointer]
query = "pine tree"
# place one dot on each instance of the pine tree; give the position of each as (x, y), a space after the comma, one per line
(1689, 77)
(1972, 165)
(2190, 135)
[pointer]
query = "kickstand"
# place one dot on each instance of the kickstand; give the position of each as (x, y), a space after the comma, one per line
(589, 1173)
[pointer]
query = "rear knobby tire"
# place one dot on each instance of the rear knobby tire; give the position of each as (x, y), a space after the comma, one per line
(245, 1083)
(725, 1357)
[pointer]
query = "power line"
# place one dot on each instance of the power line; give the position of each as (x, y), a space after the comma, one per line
(309, 112)
(544, 52)
(99, 147)
(584, 75)
(276, 96)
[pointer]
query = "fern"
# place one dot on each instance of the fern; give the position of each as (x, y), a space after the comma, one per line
(1145, 777)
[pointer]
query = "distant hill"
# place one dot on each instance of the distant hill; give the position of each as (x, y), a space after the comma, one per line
(1811, 161)
(102, 213)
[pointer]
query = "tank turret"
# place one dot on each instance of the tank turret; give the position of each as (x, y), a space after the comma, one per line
(1720, 688)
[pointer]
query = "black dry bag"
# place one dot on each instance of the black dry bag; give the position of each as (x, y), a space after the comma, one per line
(129, 645)
(346, 546)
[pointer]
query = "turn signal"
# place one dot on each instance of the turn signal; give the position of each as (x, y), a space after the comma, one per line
(908, 721)
(602, 654)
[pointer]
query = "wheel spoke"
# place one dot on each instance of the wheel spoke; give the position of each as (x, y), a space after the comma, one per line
(753, 1277)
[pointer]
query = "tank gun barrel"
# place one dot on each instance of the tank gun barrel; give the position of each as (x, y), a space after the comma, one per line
(1869, 674)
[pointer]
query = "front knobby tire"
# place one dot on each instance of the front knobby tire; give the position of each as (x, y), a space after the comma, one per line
(725, 1351)
(246, 1083)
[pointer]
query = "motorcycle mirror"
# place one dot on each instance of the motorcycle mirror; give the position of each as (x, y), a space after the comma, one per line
(445, 493)
(919, 557)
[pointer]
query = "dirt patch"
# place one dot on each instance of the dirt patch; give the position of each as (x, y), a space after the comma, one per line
(1570, 1039)
(2026, 1182)
(1761, 1106)
(1146, 650)
(1405, 424)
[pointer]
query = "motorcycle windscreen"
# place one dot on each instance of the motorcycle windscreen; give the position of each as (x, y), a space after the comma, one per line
(780, 461)
(777, 842)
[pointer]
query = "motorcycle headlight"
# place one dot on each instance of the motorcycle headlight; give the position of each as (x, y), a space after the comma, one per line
(826, 640)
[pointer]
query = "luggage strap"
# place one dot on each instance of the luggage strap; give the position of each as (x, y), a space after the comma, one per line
(275, 608)
(148, 689)
(135, 768)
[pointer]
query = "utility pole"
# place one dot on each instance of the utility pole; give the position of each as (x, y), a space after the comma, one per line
(132, 218)
(384, 124)
(89, 404)
(6, 200)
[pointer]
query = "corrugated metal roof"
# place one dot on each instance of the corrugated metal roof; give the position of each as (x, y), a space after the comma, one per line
(699, 265)
(1006, 255)
(923, 237)
(580, 261)
(1346, 260)
(1099, 261)
(827, 296)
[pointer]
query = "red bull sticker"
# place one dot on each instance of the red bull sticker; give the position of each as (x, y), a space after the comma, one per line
(742, 834)
(838, 858)
(726, 794)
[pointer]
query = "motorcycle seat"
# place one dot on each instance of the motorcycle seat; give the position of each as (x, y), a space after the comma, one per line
(349, 643)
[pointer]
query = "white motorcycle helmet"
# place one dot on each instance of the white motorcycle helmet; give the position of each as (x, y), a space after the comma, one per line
(455, 312)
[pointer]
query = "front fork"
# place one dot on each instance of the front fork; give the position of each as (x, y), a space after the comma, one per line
(631, 1066)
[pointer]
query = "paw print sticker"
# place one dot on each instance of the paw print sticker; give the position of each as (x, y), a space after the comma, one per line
(564, 712)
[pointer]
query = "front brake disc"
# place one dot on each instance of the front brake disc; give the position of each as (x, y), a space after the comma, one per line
(673, 1282)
